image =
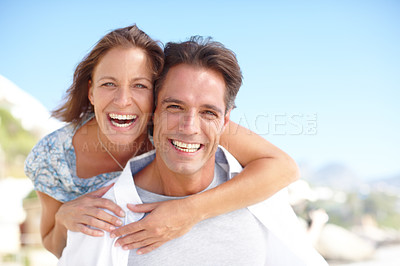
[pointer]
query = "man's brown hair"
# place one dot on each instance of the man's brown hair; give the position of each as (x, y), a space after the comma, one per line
(203, 52)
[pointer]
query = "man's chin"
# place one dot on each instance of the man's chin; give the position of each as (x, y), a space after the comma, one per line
(184, 168)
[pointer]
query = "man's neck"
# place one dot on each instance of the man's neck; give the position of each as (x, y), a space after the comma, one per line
(158, 178)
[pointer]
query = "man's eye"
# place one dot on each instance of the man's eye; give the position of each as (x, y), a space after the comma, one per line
(174, 107)
(210, 114)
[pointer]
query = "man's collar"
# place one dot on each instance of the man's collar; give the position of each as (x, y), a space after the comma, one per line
(124, 187)
(224, 158)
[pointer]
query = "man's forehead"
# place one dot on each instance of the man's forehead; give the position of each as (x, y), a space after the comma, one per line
(185, 83)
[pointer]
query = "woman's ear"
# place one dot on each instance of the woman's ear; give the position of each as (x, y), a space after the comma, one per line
(90, 91)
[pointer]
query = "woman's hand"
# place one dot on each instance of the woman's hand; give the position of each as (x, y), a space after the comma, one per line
(167, 220)
(87, 211)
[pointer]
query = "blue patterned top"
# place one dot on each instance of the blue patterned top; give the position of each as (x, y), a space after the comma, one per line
(51, 165)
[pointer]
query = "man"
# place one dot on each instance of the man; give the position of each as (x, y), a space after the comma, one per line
(194, 97)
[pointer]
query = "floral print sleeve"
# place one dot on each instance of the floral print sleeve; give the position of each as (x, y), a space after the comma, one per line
(51, 166)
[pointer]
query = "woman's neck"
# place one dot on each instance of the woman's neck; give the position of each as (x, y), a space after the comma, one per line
(95, 154)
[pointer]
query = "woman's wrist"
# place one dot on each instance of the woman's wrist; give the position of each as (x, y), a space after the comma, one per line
(60, 221)
(195, 207)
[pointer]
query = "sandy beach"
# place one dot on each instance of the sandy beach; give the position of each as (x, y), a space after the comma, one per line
(384, 256)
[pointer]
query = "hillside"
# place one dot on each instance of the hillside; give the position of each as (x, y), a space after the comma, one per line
(23, 121)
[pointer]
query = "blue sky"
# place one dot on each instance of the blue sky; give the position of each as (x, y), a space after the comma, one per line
(321, 78)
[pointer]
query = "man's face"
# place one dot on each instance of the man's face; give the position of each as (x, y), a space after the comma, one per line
(189, 118)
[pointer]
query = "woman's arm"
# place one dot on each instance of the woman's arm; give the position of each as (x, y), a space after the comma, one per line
(53, 235)
(267, 170)
(75, 215)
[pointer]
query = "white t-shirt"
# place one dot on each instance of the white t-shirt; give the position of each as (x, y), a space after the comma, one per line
(235, 238)
(286, 243)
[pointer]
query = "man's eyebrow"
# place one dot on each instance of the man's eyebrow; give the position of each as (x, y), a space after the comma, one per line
(171, 100)
(212, 107)
(206, 106)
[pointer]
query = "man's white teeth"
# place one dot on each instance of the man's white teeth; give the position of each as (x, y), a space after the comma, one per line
(123, 117)
(186, 147)
(122, 120)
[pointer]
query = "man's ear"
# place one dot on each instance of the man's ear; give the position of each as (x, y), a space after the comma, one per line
(227, 118)
(90, 91)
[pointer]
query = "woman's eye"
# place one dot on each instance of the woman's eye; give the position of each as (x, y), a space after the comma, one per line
(108, 84)
(141, 86)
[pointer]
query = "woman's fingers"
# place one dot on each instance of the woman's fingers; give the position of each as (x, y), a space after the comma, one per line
(108, 205)
(100, 192)
(104, 222)
(143, 208)
(131, 228)
(94, 199)
(100, 203)
(89, 231)
(149, 248)
(134, 240)
(90, 213)
(167, 220)
(144, 246)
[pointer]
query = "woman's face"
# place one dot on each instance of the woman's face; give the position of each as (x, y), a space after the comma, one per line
(121, 91)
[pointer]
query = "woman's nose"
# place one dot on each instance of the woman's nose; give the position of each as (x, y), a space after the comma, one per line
(123, 97)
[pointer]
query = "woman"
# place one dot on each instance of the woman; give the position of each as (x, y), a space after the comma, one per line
(115, 82)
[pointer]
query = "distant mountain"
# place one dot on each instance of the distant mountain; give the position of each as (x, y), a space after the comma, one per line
(335, 176)
(390, 184)
(395, 180)
(341, 177)
(32, 114)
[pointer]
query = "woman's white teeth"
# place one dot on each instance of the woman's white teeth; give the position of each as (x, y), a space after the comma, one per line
(186, 147)
(121, 125)
(122, 117)
(122, 120)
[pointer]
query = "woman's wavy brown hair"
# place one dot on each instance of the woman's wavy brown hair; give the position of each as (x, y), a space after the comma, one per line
(76, 103)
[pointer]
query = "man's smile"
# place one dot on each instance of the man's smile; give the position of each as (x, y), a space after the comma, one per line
(186, 147)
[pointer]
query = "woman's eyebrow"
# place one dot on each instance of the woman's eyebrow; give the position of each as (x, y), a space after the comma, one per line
(134, 79)
(106, 77)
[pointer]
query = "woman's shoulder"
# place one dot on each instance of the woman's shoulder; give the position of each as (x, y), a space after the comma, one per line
(51, 166)
(59, 139)
(47, 160)
(56, 138)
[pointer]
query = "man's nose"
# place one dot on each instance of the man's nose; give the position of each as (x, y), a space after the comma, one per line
(190, 123)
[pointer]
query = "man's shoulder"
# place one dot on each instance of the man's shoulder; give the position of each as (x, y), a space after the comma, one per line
(225, 159)
(137, 163)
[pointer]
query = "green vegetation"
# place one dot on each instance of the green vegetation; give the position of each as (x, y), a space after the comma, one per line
(385, 208)
(381, 206)
(16, 143)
